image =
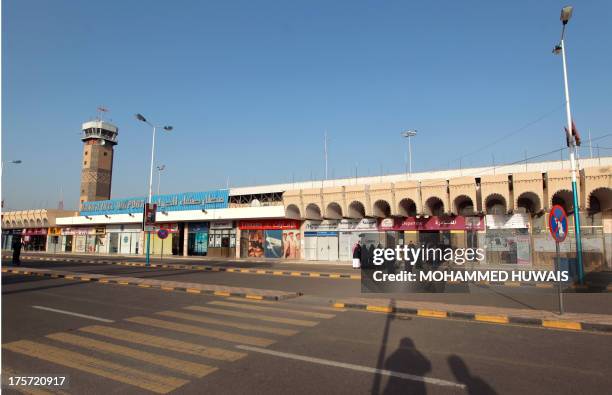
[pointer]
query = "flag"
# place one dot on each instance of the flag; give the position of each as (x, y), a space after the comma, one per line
(575, 136)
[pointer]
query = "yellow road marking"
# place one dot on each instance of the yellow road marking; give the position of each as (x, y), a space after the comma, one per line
(339, 305)
(187, 367)
(66, 277)
(281, 304)
(512, 284)
(266, 308)
(193, 291)
(164, 343)
(562, 324)
(260, 317)
(431, 313)
(277, 273)
(196, 330)
(500, 319)
(110, 370)
(260, 272)
(85, 279)
(355, 277)
(123, 282)
(544, 285)
(239, 325)
(144, 285)
(222, 293)
(254, 297)
(334, 275)
(167, 288)
(296, 274)
(381, 309)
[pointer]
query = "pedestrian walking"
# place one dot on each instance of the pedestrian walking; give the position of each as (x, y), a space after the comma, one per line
(357, 256)
(16, 249)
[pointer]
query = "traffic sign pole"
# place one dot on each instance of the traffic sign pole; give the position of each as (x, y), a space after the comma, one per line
(557, 267)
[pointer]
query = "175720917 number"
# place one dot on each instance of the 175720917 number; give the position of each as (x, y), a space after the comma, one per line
(36, 381)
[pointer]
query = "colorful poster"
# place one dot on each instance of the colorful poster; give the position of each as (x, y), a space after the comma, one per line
(292, 244)
(273, 246)
(256, 243)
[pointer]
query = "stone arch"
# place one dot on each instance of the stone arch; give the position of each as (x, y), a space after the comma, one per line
(434, 206)
(356, 210)
(313, 211)
(292, 211)
(333, 211)
(381, 209)
(463, 205)
(496, 204)
(407, 208)
(565, 199)
(529, 202)
(600, 199)
(39, 223)
(14, 223)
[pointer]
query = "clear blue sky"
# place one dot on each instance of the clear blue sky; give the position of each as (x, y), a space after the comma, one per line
(251, 86)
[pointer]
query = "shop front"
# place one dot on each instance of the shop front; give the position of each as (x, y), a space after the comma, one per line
(321, 240)
(54, 240)
(507, 239)
(7, 237)
(172, 244)
(35, 239)
(352, 231)
(222, 239)
(84, 239)
(197, 239)
(124, 239)
(273, 238)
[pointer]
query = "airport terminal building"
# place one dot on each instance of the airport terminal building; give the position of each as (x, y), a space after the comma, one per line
(502, 210)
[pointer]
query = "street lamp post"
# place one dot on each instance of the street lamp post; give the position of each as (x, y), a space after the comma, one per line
(408, 134)
(15, 162)
(159, 170)
(566, 14)
(141, 118)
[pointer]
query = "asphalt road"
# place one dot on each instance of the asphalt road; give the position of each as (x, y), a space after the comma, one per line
(205, 344)
(328, 289)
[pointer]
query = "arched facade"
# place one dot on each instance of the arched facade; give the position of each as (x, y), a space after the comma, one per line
(463, 205)
(565, 199)
(356, 210)
(407, 208)
(381, 209)
(313, 211)
(333, 211)
(529, 202)
(495, 203)
(433, 206)
(292, 211)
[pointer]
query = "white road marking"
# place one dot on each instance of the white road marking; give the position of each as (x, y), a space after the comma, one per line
(359, 368)
(91, 317)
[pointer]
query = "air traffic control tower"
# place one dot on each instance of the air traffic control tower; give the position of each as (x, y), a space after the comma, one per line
(99, 138)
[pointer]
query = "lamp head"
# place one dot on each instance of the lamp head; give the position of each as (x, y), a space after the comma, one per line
(566, 14)
(409, 133)
(141, 118)
(168, 128)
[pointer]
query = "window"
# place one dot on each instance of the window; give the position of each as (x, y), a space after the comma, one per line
(84, 163)
(105, 153)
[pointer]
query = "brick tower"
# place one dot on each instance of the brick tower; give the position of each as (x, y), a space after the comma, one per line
(99, 139)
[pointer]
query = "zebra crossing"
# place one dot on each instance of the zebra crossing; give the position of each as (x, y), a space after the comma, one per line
(164, 351)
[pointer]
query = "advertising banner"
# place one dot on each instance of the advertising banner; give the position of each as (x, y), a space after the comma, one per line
(256, 243)
(292, 244)
(273, 246)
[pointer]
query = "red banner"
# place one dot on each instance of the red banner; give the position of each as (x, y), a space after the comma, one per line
(269, 224)
(35, 232)
(432, 223)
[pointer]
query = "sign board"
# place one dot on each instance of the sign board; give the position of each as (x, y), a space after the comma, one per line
(513, 221)
(162, 233)
(174, 202)
(148, 218)
(557, 223)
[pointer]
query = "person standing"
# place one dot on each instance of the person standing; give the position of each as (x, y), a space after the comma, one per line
(16, 249)
(357, 256)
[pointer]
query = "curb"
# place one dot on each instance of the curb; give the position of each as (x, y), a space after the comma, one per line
(119, 281)
(487, 318)
(206, 268)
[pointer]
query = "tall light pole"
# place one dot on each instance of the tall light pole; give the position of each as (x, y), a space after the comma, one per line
(408, 134)
(15, 162)
(566, 14)
(159, 170)
(141, 118)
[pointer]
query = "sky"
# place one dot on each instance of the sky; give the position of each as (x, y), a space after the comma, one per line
(251, 87)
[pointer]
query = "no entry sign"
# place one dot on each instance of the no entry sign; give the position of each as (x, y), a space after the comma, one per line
(557, 223)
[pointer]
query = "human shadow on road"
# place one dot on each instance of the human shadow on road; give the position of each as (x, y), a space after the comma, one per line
(474, 385)
(407, 359)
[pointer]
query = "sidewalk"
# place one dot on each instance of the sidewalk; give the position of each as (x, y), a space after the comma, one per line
(196, 288)
(498, 315)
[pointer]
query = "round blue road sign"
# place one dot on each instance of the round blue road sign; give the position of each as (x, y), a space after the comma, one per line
(557, 223)
(162, 233)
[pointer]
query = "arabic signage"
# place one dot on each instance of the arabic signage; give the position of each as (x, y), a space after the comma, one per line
(174, 202)
(321, 226)
(270, 224)
(35, 231)
(78, 231)
(347, 225)
(432, 223)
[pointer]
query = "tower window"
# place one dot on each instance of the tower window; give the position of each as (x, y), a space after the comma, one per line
(85, 162)
(105, 153)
